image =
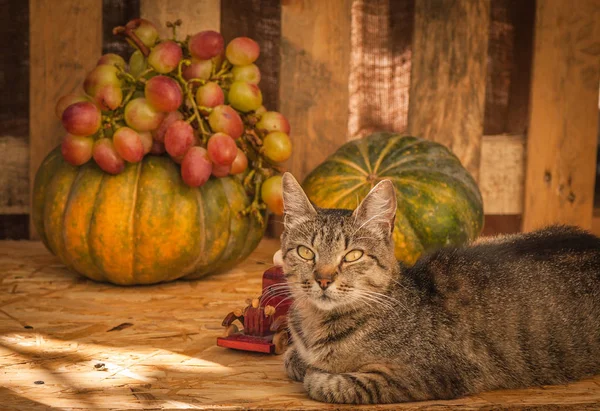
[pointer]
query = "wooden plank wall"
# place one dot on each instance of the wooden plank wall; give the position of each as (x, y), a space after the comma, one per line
(313, 93)
(59, 60)
(261, 21)
(562, 140)
(196, 15)
(309, 41)
(448, 76)
(14, 117)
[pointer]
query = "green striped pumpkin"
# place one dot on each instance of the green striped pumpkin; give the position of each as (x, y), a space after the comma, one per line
(142, 226)
(439, 203)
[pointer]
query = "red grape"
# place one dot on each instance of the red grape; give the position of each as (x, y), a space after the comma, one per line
(272, 194)
(221, 149)
(196, 167)
(201, 69)
(179, 138)
(76, 150)
(66, 101)
(165, 56)
(147, 140)
(273, 121)
(249, 74)
(82, 119)
(242, 51)
(244, 96)
(240, 164)
(221, 170)
(106, 156)
(163, 93)
(137, 63)
(277, 146)
(109, 97)
(112, 59)
(206, 44)
(260, 111)
(99, 77)
(159, 133)
(145, 30)
(157, 148)
(210, 95)
(128, 144)
(226, 120)
(141, 116)
(103, 84)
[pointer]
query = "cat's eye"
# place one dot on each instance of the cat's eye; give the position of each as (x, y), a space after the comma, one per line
(353, 256)
(305, 253)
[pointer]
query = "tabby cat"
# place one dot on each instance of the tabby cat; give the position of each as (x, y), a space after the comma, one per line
(510, 312)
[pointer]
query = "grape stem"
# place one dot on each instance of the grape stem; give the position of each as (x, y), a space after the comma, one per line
(128, 97)
(128, 77)
(127, 31)
(174, 26)
(188, 92)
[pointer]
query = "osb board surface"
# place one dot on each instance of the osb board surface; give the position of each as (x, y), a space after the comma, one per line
(162, 353)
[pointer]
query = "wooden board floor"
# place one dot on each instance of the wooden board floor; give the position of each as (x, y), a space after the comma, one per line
(70, 343)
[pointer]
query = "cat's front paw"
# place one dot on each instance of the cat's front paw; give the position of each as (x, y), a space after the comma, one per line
(295, 367)
(318, 387)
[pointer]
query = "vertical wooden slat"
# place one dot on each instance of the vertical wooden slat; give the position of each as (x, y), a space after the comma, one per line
(117, 13)
(315, 56)
(14, 68)
(65, 43)
(561, 149)
(261, 21)
(522, 14)
(196, 15)
(448, 76)
(380, 66)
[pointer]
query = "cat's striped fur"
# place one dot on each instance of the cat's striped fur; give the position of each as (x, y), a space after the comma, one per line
(512, 312)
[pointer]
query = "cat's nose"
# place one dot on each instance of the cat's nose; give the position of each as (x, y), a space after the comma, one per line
(324, 283)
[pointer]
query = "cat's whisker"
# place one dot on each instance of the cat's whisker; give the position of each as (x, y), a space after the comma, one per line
(285, 299)
(392, 301)
(375, 300)
(365, 300)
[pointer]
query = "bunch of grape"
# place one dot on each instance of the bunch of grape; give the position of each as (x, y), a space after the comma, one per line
(195, 100)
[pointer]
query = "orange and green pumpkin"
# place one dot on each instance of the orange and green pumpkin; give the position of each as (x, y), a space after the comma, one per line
(439, 203)
(142, 226)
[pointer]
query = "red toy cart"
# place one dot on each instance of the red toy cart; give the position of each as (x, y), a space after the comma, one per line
(264, 319)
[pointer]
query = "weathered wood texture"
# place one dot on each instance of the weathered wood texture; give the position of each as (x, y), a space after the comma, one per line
(501, 224)
(313, 93)
(522, 17)
(380, 66)
(65, 41)
(562, 138)
(261, 21)
(117, 13)
(14, 69)
(14, 226)
(501, 174)
(196, 15)
(98, 346)
(596, 223)
(510, 48)
(448, 76)
(14, 178)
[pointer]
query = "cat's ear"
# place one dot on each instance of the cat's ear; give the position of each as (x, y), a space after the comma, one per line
(378, 209)
(296, 206)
